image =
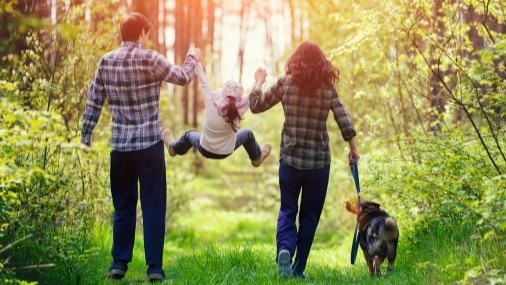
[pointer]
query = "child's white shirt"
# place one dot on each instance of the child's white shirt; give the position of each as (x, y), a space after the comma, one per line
(217, 135)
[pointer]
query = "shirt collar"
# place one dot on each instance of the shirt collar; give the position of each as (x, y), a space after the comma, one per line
(130, 44)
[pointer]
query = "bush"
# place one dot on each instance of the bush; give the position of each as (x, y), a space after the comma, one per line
(49, 191)
(446, 179)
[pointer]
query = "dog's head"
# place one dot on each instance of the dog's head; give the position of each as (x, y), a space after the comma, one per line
(361, 206)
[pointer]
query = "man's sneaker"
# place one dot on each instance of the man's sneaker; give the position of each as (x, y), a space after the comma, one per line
(116, 273)
(284, 267)
(155, 277)
(266, 150)
(155, 273)
(168, 139)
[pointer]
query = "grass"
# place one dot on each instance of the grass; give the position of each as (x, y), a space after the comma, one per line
(251, 264)
(238, 247)
(212, 255)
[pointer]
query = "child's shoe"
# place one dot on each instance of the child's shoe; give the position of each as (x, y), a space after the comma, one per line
(266, 150)
(168, 139)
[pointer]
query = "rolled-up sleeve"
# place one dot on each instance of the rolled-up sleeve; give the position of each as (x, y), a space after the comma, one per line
(260, 102)
(180, 75)
(343, 118)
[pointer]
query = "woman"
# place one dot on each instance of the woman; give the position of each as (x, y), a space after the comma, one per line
(307, 94)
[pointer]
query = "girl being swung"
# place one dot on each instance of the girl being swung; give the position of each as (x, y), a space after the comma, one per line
(221, 134)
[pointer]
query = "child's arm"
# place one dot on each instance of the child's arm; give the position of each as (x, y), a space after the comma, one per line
(204, 84)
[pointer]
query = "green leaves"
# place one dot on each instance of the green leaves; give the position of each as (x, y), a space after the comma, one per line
(444, 179)
(7, 6)
(68, 31)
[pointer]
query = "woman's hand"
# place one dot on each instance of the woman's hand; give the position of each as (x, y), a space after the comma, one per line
(353, 154)
(260, 75)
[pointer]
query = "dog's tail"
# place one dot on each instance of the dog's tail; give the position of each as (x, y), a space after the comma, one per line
(391, 229)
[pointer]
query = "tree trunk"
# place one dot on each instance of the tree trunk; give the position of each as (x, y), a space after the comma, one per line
(181, 44)
(437, 97)
(196, 38)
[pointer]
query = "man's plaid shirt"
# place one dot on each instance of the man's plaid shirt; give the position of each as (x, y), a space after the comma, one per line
(130, 78)
(304, 137)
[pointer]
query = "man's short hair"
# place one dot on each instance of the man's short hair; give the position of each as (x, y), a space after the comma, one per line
(132, 26)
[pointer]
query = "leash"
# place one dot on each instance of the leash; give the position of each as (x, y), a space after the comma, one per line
(354, 244)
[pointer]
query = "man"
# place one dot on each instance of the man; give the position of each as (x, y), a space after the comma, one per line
(130, 78)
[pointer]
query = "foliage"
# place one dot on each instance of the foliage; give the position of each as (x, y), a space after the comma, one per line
(50, 205)
(51, 191)
(446, 179)
(47, 185)
(392, 56)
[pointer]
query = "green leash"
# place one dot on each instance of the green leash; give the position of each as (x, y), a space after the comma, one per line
(354, 244)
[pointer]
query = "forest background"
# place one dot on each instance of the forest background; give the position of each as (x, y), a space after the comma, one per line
(424, 81)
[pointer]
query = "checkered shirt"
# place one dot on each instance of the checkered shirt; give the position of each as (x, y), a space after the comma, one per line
(130, 78)
(304, 137)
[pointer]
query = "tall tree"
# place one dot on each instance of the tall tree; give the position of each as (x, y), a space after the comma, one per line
(437, 96)
(196, 39)
(188, 31)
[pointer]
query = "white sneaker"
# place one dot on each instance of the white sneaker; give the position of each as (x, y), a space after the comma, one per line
(284, 268)
(266, 150)
(168, 139)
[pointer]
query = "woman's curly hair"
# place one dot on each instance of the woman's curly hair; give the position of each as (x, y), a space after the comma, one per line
(309, 67)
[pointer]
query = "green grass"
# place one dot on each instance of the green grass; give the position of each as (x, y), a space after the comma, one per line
(212, 255)
(251, 264)
(218, 247)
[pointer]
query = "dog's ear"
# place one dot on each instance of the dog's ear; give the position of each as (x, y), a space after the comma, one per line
(370, 205)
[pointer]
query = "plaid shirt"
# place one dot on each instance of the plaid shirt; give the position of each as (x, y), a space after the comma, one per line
(304, 137)
(130, 78)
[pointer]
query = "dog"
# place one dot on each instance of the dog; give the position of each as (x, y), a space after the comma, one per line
(378, 234)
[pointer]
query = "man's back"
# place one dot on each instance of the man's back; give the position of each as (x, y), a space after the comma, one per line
(130, 78)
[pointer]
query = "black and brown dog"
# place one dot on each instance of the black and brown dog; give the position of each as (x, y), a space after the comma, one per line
(378, 234)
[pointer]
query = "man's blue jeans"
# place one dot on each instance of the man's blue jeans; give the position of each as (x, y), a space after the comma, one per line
(129, 170)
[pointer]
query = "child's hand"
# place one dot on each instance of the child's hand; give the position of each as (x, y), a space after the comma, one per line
(195, 52)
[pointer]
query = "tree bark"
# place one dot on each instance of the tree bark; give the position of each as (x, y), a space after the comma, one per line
(437, 97)
(196, 38)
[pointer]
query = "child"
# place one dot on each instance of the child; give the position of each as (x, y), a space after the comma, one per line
(221, 134)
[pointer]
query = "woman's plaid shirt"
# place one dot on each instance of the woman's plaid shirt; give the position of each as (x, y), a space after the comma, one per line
(304, 137)
(130, 78)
